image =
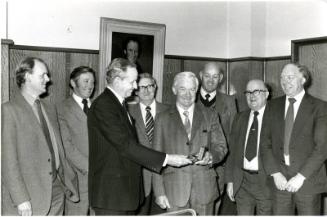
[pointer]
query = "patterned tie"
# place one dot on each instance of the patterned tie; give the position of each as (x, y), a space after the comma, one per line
(251, 145)
(85, 107)
(187, 124)
(46, 132)
(289, 121)
(149, 124)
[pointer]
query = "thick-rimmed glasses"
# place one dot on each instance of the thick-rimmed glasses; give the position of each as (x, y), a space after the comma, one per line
(254, 92)
(147, 87)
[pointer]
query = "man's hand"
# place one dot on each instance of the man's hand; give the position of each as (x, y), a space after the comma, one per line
(295, 183)
(230, 191)
(207, 159)
(177, 160)
(163, 202)
(25, 208)
(280, 181)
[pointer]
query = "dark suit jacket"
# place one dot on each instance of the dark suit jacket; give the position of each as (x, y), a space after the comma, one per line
(26, 159)
(308, 143)
(135, 111)
(225, 106)
(170, 136)
(74, 134)
(234, 163)
(115, 157)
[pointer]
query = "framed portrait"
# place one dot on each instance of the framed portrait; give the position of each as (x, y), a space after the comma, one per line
(145, 42)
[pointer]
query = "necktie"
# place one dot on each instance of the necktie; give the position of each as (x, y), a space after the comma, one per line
(251, 145)
(187, 124)
(149, 124)
(124, 103)
(289, 121)
(85, 107)
(46, 132)
(207, 97)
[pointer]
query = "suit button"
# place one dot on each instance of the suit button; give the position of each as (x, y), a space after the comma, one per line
(49, 160)
(187, 143)
(50, 173)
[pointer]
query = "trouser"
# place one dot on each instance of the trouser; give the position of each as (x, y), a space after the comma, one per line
(251, 197)
(57, 198)
(78, 208)
(284, 203)
(100, 211)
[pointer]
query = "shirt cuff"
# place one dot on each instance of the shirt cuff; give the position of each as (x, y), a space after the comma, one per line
(165, 161)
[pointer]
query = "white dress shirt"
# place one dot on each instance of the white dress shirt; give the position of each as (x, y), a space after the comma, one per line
(296, 106)
(204, 93)
(254, 163)
(152, 111)
(79, 99)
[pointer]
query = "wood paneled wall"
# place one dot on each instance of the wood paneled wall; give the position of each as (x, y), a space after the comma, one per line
(313, 54)
(61, 61)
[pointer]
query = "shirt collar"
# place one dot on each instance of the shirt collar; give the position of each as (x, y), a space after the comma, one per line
(79, 99)
(181, 110)
(152, 106)
(29, 97)
(203, 93)
(261, 111)
(297, 97)
(121, 99)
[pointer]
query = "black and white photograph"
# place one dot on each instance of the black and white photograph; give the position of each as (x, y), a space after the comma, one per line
(195, 108)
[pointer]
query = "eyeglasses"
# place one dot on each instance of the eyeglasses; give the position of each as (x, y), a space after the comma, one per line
(254, 92)
(147, 87)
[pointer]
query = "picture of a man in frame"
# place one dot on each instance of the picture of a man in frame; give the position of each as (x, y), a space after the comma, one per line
(136, 48)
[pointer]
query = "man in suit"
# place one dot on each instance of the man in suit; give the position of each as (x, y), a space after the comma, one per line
(247, 181)
(32, 156)
(72, 115)
(115, 156)
(294, 145)
(184, 129)
(210, 97)
(144, 114)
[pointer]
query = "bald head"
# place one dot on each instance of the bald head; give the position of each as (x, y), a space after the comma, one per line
(256, 94)
(211, 76)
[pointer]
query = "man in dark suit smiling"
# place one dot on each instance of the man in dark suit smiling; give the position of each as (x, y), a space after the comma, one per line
(294, 145)
(115, 156)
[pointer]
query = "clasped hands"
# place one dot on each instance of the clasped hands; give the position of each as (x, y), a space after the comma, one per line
(292, 185)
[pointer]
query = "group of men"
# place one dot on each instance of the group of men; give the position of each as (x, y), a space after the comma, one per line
(106, 157)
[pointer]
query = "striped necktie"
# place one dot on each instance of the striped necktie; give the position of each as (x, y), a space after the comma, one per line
(149, 124)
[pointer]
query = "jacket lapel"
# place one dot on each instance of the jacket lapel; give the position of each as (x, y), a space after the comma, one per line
(76, 109)
(196, 123)
(175, 117)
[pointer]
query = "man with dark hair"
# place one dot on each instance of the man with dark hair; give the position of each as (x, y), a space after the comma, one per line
(115, 155)
(225, 106)
(34, 165)
(294, 145)
(247, 181)
(72, 115)
(132, 51)
(144, 114)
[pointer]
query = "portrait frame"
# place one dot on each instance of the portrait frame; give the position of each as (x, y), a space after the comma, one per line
(110, 25)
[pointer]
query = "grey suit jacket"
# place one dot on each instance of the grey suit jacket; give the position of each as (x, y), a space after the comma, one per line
(135, 111)
(170, 137)
(26, 159)
(74, 134)
(234, 163)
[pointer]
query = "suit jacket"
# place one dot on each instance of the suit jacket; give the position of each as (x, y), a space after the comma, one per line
(135, 111)
(115, 157)
(74, 134)
(308, 149)
(170, 136)
(234, 163)
(225, 106)
(26, 159)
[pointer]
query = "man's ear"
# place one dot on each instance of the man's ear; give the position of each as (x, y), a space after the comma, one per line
(201, 74)
(125, 52)
(72, 83)
(221, 76)
(303, 80)
(27, 76)
(174, 90)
